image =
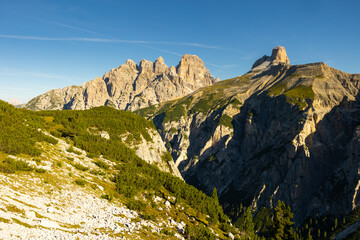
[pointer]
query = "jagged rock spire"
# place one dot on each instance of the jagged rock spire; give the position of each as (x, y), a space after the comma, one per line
(278, 55)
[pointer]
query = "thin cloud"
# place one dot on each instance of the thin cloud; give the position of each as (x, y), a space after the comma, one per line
(74, 28)
(162, 50)
(13, 73)
(226, 66)
(113, 40)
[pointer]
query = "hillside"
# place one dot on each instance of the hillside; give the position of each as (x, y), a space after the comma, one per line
(130, 86)
(279, 132)
(95, 174)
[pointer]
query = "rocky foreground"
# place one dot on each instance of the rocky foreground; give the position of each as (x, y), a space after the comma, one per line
(51, 205)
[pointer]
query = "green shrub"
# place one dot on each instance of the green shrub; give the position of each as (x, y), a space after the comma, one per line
(166, 157)
(136, 205)
(198, 232)
(226, 121)
(40, 170)
(107, 196)
(80, 182)
(9, 165)
(80, 167)
(151, 217)
(168, 232)
(72, 150)
(102, 164)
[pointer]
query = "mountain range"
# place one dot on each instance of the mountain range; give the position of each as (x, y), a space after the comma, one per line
(130, 86)
(280, 132)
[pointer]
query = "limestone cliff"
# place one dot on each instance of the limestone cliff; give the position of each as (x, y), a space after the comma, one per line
(130, 86)
(279, 132)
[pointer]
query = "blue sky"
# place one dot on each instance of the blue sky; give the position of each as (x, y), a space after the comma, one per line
(47, 44)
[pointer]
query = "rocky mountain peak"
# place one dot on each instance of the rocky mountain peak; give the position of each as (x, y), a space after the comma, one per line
(146, 65)
(278, 56)
(131, 86)
(130, 63)
(160, 60)
(159, 66)
(193, 73)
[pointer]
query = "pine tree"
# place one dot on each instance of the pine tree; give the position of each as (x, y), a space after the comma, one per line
(245, 223)
(282, 224)
(214, 195)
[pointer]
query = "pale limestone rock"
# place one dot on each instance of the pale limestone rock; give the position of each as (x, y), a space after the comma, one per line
(279, 55)
(284, 144)
(159, 66)
(130, 87)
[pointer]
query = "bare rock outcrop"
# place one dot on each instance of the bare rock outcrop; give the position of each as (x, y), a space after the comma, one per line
(279, 132)
(131, 86)
(278, 56)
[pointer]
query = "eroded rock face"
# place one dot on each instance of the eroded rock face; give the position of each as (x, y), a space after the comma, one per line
(131, 86)
(294, 136)
(278, 56)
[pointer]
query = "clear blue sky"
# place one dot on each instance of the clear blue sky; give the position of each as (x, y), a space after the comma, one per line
(47, 44)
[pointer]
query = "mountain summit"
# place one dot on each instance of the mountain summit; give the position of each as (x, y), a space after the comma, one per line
(279, 132)
(278, 56)
(130, 86)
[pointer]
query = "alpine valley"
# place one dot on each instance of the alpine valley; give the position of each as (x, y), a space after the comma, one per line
(271, 154)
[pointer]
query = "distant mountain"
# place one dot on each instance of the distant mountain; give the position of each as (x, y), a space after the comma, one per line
(279, 132)
(15, 102)
(130, 86)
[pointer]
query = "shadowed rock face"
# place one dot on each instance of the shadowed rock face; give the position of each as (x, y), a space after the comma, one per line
(130, 86)
(291, 134)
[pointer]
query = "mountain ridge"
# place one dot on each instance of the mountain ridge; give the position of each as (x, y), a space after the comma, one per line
(253, 137)
(130, 86)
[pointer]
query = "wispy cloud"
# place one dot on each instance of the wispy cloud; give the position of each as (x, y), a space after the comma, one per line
(15, 88)
(74, 28)
(113, 40)
(9, 72)
(226, 66)
(162, 50)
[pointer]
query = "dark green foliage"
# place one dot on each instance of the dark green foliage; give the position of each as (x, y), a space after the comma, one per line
(40, 170)
(80, 182)
(19, 131)
(134, 174)
(136, 205)
(72, 150)
(175, 113)
(198, 232)
(263, 221)
(166, 157)
(203, 105)
(225, 227)
(102, 164)
(168, 232)
(151, 217)
(226, 121)
(245, 222)
(80, 167)
(9, 165)
(107, 196)
(282, 227)
(138, 175)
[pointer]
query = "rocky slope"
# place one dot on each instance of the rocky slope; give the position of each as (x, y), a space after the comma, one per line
(95, 174)
(130, 86)
(279, 132)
